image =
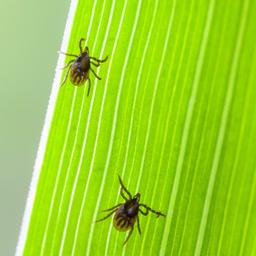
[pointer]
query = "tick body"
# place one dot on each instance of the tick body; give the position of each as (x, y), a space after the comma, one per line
(78, 68)
(127, 214)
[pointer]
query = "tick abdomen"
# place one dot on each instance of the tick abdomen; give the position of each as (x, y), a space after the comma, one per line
(77, 75)
(122, 221)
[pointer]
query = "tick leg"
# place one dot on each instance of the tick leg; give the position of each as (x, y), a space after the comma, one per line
(80, 44)
(124, 188)
(67, 64)
(127, 238)
(106, 216)
(144, 213)
(138, 224)
(95, 74)
(68, 54)
(122, 195)
(95, 64)
(148, 209)
(66, 76)
(89, 86)
(100, 61)
(112, 208)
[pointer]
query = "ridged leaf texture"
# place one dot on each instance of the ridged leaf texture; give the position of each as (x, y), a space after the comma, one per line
(174, 115)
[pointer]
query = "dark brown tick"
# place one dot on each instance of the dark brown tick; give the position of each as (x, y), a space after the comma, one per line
(126, 214)
(79, 67)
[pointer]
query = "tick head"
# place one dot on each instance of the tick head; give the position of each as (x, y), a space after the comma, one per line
(137, 197)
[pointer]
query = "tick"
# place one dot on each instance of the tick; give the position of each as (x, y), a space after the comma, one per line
(127, 213)
(79, 67)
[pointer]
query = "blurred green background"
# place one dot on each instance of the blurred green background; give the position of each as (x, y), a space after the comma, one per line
(31, 33)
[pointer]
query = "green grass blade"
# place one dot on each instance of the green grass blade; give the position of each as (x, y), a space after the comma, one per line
(174, 115)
